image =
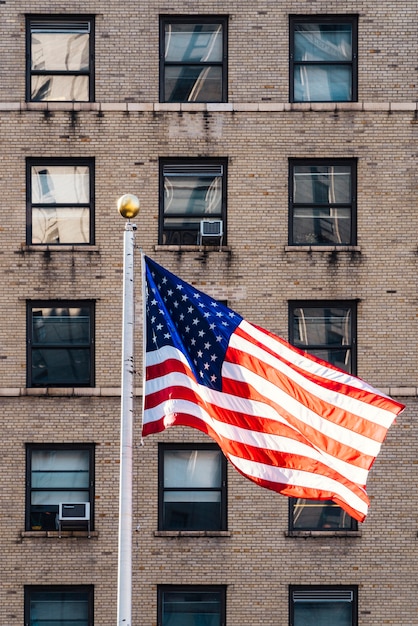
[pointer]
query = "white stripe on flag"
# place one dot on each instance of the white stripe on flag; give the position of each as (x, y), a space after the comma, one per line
(298, 478)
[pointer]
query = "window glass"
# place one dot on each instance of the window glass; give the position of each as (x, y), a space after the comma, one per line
(325, 83)
(191, 192)
(59, 60)
(323, 59)
(56, 184)
(56, 88)
(58, 607)
(319, 515)
(313, 606)
(193, 495)
(55, 47)
(191, 607)
(322, 206)
(60, 345)
(56, 475)
(323, 42)
(193, 60)
(60, 199)
(325, 332)
(193, 84)
(193, 42)
(322, 183)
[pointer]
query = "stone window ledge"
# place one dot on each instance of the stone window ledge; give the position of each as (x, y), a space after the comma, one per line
(192, 533)
(55, 534)
(49, 392)
(68, 392)
(322, 249)
(58, 248)
(322, 533)
(196, 248)
(212, 107)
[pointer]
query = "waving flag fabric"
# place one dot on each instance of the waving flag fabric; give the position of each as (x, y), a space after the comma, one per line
(286, 420)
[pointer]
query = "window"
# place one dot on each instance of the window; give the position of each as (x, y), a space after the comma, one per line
(191, 605)
(318, 515)
(60, 606)
(326, 330)
(191, 190)
(323, 58)
(316, 605)
(192, 487)
(60, 201)
(60, 344)
(57, 474)
(60, 58)
(322, 202)
(193, 61)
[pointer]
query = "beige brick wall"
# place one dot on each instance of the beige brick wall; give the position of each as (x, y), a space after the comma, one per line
(127, 46)
(257, 274)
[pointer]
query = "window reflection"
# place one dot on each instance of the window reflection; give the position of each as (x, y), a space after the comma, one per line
(325, 332)
(191, 607)
(61, 204)
(192, 489)
(322, 60)
(59, 60)
(323, 605)
(193, 61)
(60, 346)
(191, 192)
(58, 606)
(56, 476)
(320, 515)
(322, 204)
(60, 88)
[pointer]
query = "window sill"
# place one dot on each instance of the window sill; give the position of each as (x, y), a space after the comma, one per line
(197, 248)
(55, 534)
(58, 248)
(322, 533)
(68, 392)
(192, 533)
(322, 248)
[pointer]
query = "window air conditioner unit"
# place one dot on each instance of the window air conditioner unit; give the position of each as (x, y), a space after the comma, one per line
(74, 512)
(211, 228)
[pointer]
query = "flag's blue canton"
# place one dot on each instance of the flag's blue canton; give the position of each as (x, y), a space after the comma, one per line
(181, 316)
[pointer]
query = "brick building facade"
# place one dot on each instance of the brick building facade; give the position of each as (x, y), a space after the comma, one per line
(102, 118)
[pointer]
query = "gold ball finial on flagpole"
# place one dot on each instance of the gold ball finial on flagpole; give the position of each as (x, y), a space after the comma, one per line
(128, 206)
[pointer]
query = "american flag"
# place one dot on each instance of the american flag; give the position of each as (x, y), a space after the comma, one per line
(286, 420)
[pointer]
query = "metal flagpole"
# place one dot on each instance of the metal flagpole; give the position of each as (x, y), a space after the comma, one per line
(128, 206)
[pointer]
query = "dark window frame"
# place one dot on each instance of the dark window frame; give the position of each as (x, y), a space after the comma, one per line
(350, 162)
(31, 304)
(330, 19)
(31, 19)
(29, 589)
(183, 163)
(35, 447)
(162, 589)
(326, 304)
(195, 19)
(60, 162)
(295, 530)
(162, 448)
(324, 590)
